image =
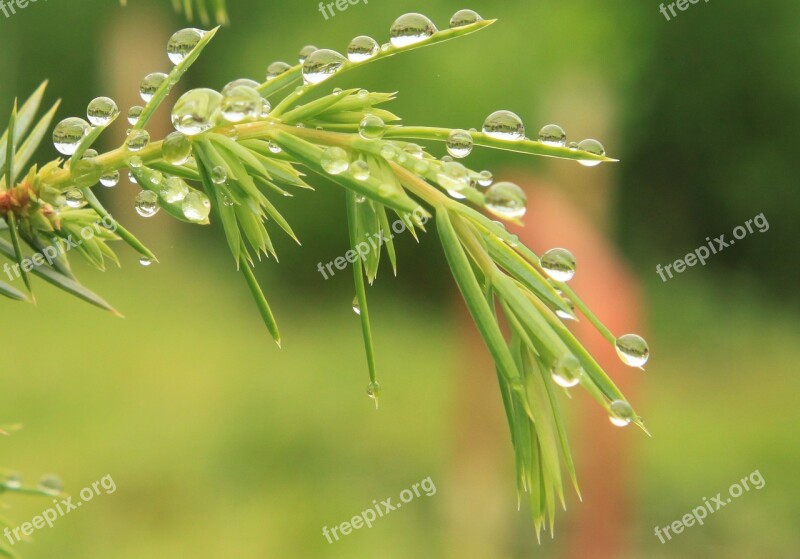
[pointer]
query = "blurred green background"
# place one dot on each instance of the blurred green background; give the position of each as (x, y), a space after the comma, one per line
(220, 444)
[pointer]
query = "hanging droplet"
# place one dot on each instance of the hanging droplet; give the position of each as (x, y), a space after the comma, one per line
(274, 148)
(454, 178)
(633, 350)
(138, 140)
(356, 305)
(176, 148)
(135, 162)
(144, 261)
(276, 69)
(504, 125)
(372, 127)
(620, 413)
(219, 175)
(110, 179)
(410, 29)
(174, 189)
(74, 198)
(68, 134)
(146, 203)
(362, 48)
(321, 65)
(51, 484)
(567, 301)
(485, 179)
(196, 207)
(567, 371)
(134, 113)
(595, 148)
(241, 102)
(459, 143)
(102, 111)
(305, 52)
(374, 391)
(553, 135)
(182, 43)
(359, 169)
(132, 178)
(150, 85)
(559, 264)
(464, 17)
(335, 160)
(506, 200)
(196, 110)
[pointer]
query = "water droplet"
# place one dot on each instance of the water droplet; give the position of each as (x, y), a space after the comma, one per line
(485, 179)
(219, 175)
(276, 69)
(360, 199)
(633, 350)
(146, 203)
(274, 148)
(102, 111)
(504, 125)
(68, 134)
(454, 178)
(132, 178)
(176, 148)
(620, 413)
(567, 371)
(356, 305)
(374, 391)
(385, 47)
(74, 198)
(305, 52)
(13, 481)
(145, 261)
(553, 135)
(410, 29)
(594, 147)
(573, 145)
(363, 94)
(150, 85)
(359, 169)
(182, 43)
(414, 151)
(110, 179)
(464, 17)
(195, 111)
(372, 127)
(241, 102)
(362, 48)
(421, 166)
(137, 140)
(241, 81)
(459, 143)
(335, 160)
(321, 65)
(265, 107)
(174, 189)
(135, 162)
(134, 113)
(51, 484)
(559, 264)
(563, 314)
(196, 206)
(506, 200)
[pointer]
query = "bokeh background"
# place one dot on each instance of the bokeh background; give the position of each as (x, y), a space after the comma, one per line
(221, 444)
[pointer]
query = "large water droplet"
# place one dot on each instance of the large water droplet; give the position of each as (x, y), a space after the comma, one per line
(110, 179)
(146, 203)
(196, 207)
(305, 52)
(362, 48)
(410, 29)
(182, 43)
(321, 65)
(276, 69)
(138, 140)
(51, 484)
(459, 143)
(359, 169)
(196, 110)
(174, 189)
(464, 17)
(553, 135)
(620, 413)
(633, 350)
(335, 160)
(102, 111)
(372, 127)
(176, 148)
(594, 147)
(144, 261)
(219, 175)
(506, 200)
(74, 198)
(504, 125)
(150, 85)
(567, 371)
(559, 264)
(134, 113)
(241, 102)
(68, 133)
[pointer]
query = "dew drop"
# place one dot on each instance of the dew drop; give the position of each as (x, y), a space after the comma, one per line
(137, 140)
(150, 85)
(196, 110)
(176, 148)
(174, 189)
(464, 17)
(553, 135)
(145, 261)
(265, 107)
(321, 65)
(372, 127)
(102, 111)
(241, 102)
(388, 152)
(504, 125)
(219, 175)
(146, 203)
(132, 178)
(51, 484)
(359, 169)
(134, 113)
(276, 69)
(632, 350)
(68, 134)
(305, 52)
(274, 148)
(620, 413)
(13, 481)
(374, 391)
(182, 43)
(558, 264)
(573, 146)
(410, 29)
(335, 160)
(506, 200)
(360, 199)
(459, 143)
(567, 371)
(110, 179)
(356, 305)
(414, 151)
(196, 207)
(241, 81)
(454, 178)
(135, 162)
(485, 179)
(74, 198)
(362, 48)
(89, 154)
(421, 166)
(595, 148)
